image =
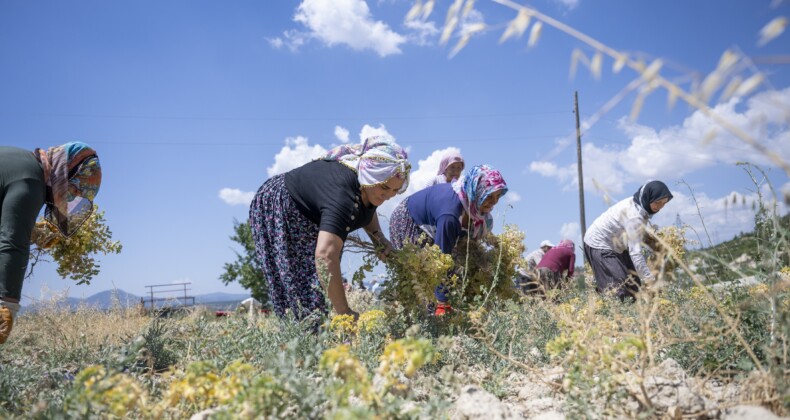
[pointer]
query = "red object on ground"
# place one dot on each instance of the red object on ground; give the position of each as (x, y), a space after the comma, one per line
(443, 308)
(222, 313)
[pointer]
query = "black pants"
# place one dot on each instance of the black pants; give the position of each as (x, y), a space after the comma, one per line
(22, 193)
(613, 271)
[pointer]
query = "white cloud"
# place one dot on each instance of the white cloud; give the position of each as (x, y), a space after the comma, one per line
(234, 196)
(296, 152)
(570, 4)
(346, 22)
(276, 42)
(678, 150)
(422, 32)
(571, 231)
(370, 131)
(341, 133)
(512, 197)
(292, 39)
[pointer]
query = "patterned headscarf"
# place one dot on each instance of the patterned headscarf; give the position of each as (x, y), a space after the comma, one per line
(72, 174)
(473, 187)
(448, 159)
(376, 161)
(566, 243)
(650, 192)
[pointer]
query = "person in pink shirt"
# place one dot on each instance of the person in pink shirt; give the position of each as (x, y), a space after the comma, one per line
(555, 262)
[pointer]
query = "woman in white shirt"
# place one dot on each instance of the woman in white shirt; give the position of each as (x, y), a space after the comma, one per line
(613, 244)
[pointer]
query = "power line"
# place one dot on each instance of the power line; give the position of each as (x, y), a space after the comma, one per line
(213, 118)
(279, 143)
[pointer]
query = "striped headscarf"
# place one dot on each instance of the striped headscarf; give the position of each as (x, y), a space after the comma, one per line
(72, 174)
(376, 161)
(473, 187)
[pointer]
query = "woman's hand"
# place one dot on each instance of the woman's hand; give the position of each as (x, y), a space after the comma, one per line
(383, 247)
(351, 312)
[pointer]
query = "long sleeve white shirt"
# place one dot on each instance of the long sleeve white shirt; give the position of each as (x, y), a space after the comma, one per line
(621, 228)
(534, 257)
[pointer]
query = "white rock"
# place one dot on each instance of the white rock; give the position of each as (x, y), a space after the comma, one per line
(532, 390)
(477, 403)
(748, 412)
(551, 415)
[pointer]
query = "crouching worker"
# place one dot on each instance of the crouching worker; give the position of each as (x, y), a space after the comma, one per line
(301, 219)
(443, 211)
(66, 178)
(613, 244)
(557, 261)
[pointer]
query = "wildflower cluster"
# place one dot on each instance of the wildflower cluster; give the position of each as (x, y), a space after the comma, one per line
(668, 245)
(414, 273)
(489, 266)
(96, 390)
(353, 376)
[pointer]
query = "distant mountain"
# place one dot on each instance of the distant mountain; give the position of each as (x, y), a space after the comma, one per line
(106, 299)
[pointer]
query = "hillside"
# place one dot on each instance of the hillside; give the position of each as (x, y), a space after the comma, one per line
(106, 299)
(742, 252)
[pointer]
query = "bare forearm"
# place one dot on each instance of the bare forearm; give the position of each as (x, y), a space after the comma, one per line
(327, 260)
(335, 290)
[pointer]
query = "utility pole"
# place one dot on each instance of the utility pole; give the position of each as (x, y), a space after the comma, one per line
(579, 166)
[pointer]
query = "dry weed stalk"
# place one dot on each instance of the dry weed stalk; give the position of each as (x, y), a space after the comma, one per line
(55, 328)
(650, 77)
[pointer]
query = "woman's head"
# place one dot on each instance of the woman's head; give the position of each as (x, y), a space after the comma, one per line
(652, 196)
(382, 167)
(480, 189)
(73, 176)
(452, 165)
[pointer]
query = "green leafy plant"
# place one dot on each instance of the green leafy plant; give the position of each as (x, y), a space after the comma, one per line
(74, 255)
(246, 270)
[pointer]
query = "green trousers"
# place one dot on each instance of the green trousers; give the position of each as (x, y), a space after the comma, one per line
(22, 192)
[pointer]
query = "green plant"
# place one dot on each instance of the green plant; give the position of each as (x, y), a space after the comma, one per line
(246, 270)
(74, 255)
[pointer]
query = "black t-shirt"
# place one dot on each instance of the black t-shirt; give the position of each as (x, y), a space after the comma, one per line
(328, 193)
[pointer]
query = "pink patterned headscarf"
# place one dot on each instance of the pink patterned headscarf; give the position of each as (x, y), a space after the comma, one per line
(448, 159)
(473, 187)
(376, 161)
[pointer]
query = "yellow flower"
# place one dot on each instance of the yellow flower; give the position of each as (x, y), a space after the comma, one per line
(372, 321)
(119, 394)
(758, 290)
(343, 325)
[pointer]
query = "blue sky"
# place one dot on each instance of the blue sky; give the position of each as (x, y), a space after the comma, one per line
(191, 105)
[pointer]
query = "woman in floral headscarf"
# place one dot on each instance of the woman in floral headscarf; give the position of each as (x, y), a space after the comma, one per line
(301, 219)
(67, 179)
(444, 211)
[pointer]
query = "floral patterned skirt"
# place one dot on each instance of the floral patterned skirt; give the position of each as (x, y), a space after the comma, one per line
(403, 230)
(285, 242)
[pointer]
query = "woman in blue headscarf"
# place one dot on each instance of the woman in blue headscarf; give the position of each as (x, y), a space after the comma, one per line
(66, 178)
(613, 244)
